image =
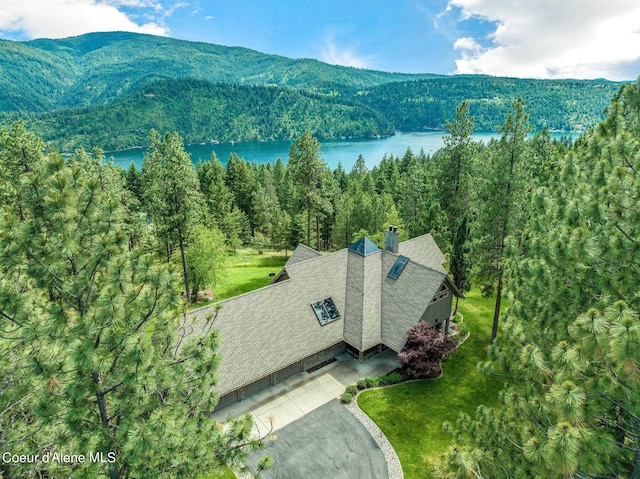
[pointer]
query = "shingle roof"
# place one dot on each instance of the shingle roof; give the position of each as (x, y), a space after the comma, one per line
(302, 253)
(273, 327)
(423, 250)
(267, 329)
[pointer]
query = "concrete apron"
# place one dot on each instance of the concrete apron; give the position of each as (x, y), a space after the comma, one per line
(279, 405)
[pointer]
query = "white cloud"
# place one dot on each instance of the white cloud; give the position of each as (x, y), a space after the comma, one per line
(64, 18)
(335, 55)
(467, 44)
(553, 38)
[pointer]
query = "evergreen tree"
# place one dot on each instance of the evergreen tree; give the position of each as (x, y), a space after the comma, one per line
(452, 167)
(20, 152)
(172, 195)
(212, 180)
(306, 168)
(241, 182)
(413, 199)
(459, 263)
(90, 357)
(571, 345)
(500, 195)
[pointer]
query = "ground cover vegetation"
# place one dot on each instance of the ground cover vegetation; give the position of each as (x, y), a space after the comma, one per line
(553, 225)
(110, 89)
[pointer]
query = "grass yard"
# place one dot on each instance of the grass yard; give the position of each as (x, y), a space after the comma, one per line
(411, 414)
(247, 271)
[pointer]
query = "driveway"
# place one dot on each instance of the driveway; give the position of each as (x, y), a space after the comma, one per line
(328, 442)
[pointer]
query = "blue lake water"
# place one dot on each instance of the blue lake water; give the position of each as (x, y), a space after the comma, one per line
(343, 151)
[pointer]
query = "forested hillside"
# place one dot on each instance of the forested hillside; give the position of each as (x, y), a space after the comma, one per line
(205, 111)
(110, 89)
(555, 104)
(42, 75)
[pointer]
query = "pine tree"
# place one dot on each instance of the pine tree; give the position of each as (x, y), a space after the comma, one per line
(172, 195)
(91, 360)
(306, 168)
(571, 345)
(453, 167)
(219, 199)
(459, 263)
(498, 201)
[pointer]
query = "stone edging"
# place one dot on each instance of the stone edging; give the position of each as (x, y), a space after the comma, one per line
(393, 463)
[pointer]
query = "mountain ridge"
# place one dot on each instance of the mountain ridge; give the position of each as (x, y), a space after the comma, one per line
(90, 88)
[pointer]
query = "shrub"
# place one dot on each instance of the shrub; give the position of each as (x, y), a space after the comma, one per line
(424, 350)
(361, 384)
(382, 380)
(370, 382)
(394, 378)
(347, 398)
(352, 389)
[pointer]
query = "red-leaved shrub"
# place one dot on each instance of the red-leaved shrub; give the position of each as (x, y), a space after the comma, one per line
(424, 350)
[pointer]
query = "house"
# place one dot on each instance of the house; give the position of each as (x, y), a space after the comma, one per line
(361, 298)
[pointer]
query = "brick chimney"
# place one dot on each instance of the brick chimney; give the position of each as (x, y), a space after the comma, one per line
(391, 239)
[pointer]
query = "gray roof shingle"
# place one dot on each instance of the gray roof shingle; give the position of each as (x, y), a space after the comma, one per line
(423, 250)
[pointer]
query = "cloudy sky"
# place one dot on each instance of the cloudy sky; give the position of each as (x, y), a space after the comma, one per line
(524, 38)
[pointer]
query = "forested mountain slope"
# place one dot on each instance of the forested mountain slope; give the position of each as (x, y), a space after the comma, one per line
(109, 89)
(42, 75)
(553, 104)
(204, 111)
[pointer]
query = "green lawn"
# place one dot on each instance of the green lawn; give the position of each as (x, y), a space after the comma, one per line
(247, 271)
(411, 414)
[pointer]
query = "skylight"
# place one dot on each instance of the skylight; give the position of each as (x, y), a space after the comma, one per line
(397, 267)
(364, 247)
(326, 311)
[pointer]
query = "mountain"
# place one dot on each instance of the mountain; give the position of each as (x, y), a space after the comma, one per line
(554, 104)
(42, 75)
(109, 89)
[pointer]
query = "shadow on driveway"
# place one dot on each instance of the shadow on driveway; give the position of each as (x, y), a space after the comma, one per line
(327, 443)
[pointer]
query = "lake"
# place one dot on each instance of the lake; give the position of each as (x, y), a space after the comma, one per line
(343, 151)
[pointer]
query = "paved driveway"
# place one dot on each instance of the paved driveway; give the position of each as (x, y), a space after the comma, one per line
(327, 443)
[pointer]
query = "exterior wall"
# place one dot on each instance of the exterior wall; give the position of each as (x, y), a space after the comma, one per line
(354, 304)
(438, 312)
(372, 302)
(323, 356)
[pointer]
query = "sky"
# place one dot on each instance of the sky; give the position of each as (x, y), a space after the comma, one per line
(519, 38)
